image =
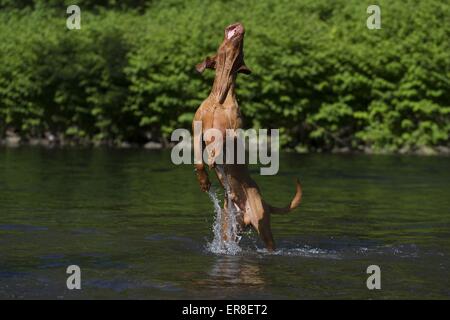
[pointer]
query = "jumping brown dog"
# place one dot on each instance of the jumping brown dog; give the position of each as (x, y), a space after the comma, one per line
(221, 111)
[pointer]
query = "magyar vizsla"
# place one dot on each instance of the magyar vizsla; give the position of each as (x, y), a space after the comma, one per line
(221, 111)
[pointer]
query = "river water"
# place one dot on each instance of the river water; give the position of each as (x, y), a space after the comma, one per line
(139, 228)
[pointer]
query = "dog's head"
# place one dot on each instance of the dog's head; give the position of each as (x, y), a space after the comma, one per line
(230, 54)
(229, 59)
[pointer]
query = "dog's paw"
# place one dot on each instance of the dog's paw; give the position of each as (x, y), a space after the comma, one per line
(203, 181)
(205, 186)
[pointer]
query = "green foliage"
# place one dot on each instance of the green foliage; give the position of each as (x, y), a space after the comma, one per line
(319, 74)
(84, 4)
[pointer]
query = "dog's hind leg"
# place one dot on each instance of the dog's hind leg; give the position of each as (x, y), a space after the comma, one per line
(265, 233)
(259, 217)
(232, 220)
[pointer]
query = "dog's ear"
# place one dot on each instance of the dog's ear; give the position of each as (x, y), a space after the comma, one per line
(207, 63)
(244, 69)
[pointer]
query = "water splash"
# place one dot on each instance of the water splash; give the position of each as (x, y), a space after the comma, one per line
(302, 251)
(229, 245)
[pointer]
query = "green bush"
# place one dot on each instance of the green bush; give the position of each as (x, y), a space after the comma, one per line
(319, 75)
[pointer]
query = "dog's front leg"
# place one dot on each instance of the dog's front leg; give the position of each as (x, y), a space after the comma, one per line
(202, 177)
(200, 169)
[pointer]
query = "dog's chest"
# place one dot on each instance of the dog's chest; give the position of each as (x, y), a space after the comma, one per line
(222, 118)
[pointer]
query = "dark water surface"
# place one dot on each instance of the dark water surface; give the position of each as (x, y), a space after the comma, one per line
(138, 227)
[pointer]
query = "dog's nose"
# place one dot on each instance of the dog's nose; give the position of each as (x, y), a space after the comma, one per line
(234, 29)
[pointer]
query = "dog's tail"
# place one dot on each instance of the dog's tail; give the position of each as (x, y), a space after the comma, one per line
(294, 203)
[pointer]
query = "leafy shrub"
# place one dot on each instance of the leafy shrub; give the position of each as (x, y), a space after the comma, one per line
(319, 75)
